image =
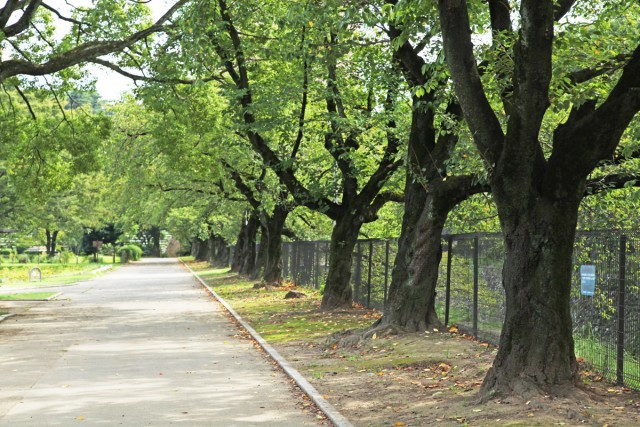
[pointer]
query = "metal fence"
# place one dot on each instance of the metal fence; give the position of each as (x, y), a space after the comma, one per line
(470, 294)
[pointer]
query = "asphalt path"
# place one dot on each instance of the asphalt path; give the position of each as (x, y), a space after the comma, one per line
(143, 345)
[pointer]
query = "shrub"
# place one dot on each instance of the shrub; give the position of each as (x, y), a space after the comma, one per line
(66, 257)
(24, 259)
(6, 252)
(130, 253)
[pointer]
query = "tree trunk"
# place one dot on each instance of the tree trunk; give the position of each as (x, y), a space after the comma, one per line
(411, 301)
(54, 243)
(275, 227)
(245, 253)
(221, 252)
(262, 253)
(536, 353)
(155, 233)
(202, 251)
(337, 290)
(48, 244)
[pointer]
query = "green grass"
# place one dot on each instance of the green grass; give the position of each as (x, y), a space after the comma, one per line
(16, 275)
(276, 319)
(27, 296)
(602, 357)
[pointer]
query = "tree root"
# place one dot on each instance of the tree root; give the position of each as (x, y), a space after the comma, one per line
(355, 338)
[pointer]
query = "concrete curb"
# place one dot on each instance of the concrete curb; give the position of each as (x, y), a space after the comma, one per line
(6, 316)
(332, 413)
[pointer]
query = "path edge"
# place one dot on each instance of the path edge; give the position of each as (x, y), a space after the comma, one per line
(329, 410)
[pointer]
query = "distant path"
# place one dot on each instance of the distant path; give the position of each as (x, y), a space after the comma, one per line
(142, 346)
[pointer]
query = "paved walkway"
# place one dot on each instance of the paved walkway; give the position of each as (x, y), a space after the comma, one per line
(141, 346)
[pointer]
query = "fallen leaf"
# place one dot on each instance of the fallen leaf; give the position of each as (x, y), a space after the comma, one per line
(399, 424)
(80, 418)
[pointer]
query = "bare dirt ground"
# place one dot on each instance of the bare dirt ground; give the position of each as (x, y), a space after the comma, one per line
(433, 378)
(420, 379)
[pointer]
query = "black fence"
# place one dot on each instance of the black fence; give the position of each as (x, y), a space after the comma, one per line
(605, 295)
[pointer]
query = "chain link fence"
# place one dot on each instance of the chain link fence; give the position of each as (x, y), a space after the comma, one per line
(605, 295)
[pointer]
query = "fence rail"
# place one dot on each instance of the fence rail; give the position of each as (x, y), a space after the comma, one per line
(606, 323)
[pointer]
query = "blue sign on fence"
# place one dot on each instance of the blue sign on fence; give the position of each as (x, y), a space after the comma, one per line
(587, 280)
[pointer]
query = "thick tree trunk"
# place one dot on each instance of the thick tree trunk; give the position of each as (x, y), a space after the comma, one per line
(218, 253)
(411, 301)
(155, 233)
(275, 227)
(245, 252)
(48, 243)
(337, 290)
(202, 253)
(261, 259)
(52, 240)
(536, 353)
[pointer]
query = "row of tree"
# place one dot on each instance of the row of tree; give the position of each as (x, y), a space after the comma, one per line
(299, 119)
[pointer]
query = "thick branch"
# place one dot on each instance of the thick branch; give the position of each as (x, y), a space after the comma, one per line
(285, 173)
(561, 7)
(303, 103)
(23, 23)
(82, 53)
(482, 120)
(612, 182)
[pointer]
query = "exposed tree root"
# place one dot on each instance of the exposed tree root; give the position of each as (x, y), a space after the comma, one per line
(498, 386)
(354, 338)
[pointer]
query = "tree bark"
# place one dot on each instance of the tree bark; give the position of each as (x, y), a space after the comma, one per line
(411, 301)
(52, 238)
(536, 352)
(275, 228)
(245, 253)
(202, 250)
(155, 235)
(261, 259)
(337, 290)
(48, 244)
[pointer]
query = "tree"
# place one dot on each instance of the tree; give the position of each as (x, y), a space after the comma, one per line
(537, 186)
(433, 186)
(36, 51)
(342, 139)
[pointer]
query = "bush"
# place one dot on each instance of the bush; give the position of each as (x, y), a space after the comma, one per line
(66, 257)
(130, 253)
(6, 252)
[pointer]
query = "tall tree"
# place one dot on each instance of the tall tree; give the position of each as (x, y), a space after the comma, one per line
(538, 185)
(359, 201)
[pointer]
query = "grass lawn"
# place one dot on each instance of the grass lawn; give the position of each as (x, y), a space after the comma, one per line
(16, 275)
(264, 309)
(27, 296)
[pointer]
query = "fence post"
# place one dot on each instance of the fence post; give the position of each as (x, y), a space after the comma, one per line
(475, 286)
(285, 260)
(369, 274)
(386, 271)
(621, 294)
(294, 263)
(358, 279)
(447, 295)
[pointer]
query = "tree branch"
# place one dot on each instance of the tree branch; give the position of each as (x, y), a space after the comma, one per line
(482, 120)
(611, 182)
(81, 53)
